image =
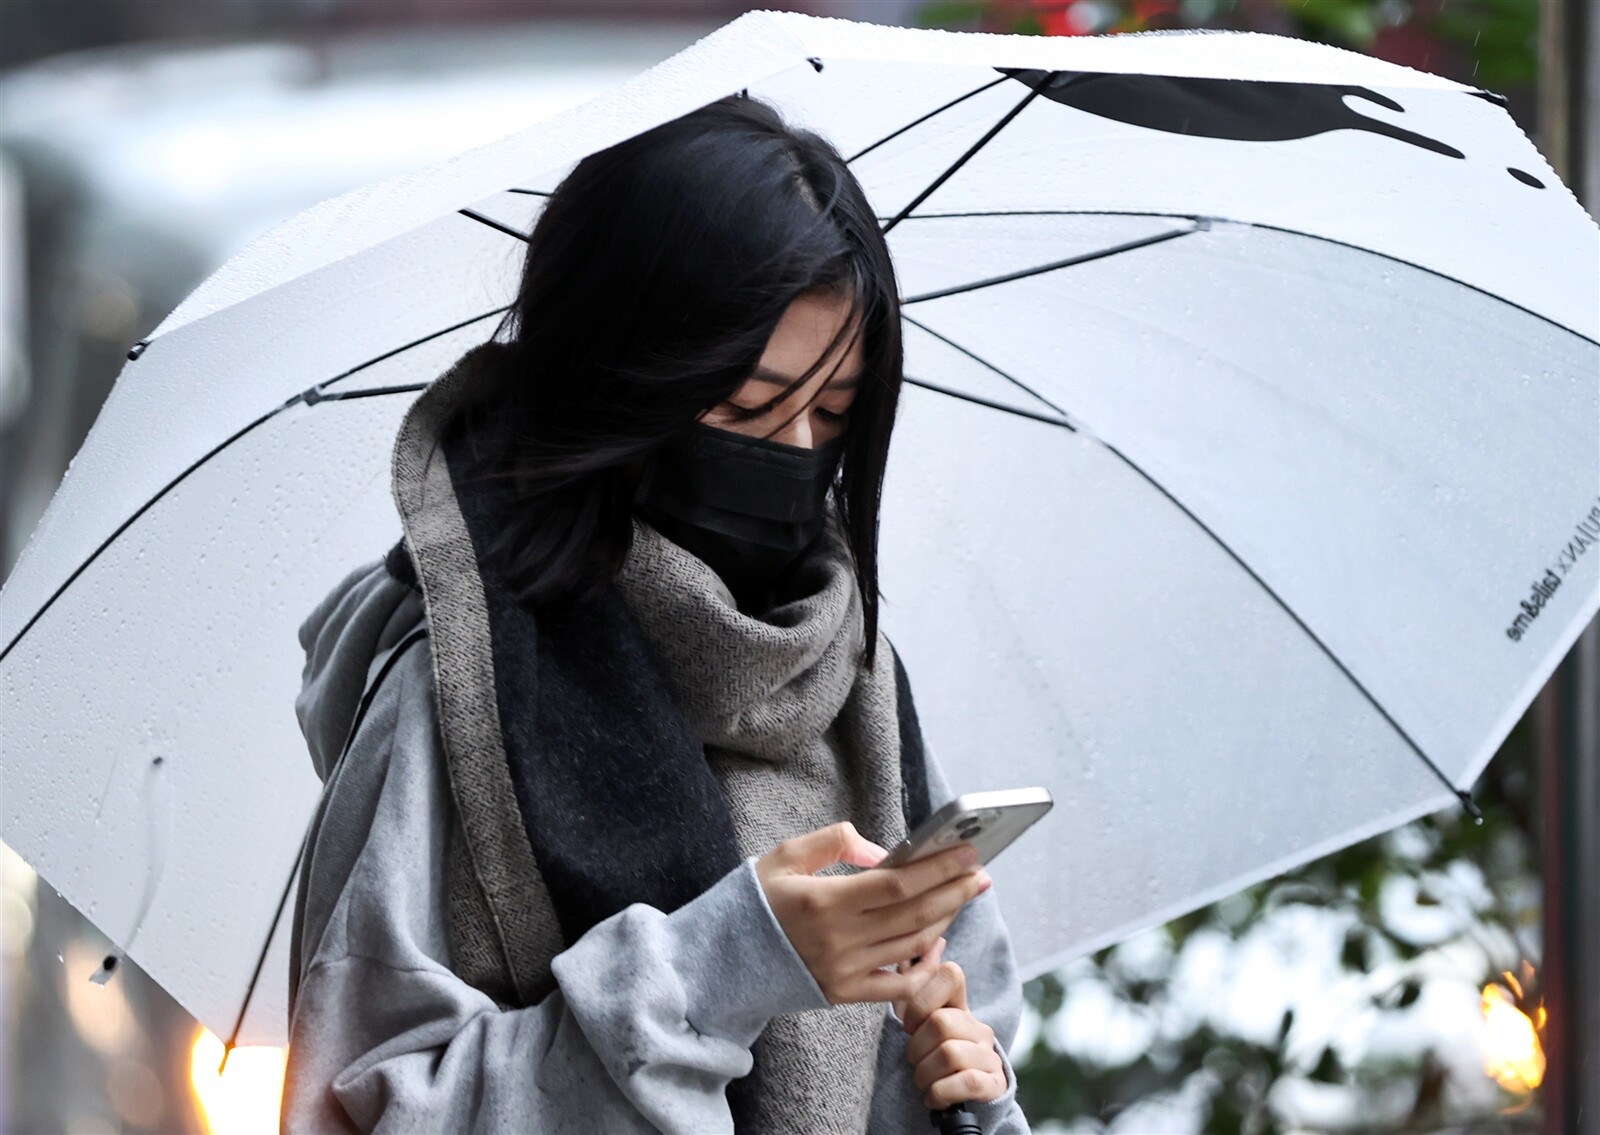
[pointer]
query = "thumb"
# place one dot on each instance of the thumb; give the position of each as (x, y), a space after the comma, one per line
(958, 994)
(923, 968)
(836, 843)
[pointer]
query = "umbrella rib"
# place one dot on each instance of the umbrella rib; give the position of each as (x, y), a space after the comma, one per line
(315, 395)
(494, 224)
(881, 141)
(1460, 794)
(362, 706)
(1064, 418)
(1001, 406)
(1389, 256)
(924, 118)
(1033, 93)
(261, 959)
(1022, 273)
(309, 397)
(321, 387)
(135, 515)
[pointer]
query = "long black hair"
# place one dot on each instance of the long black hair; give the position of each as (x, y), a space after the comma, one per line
(655, 274)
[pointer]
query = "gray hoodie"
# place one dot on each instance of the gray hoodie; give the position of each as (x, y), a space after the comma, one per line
(653, 1013)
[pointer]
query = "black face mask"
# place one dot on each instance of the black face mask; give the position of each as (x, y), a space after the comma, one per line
(749, 507)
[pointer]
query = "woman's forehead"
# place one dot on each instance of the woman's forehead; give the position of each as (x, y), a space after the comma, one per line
(802, 337)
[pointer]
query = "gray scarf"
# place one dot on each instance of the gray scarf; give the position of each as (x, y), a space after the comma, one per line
(800, 734)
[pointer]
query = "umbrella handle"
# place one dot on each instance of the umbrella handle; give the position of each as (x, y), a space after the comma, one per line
(955, 1120)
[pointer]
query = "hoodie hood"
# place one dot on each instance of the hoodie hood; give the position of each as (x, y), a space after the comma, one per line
(345, 639)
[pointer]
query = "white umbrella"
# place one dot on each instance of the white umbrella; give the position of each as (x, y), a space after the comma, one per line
(1249, 489)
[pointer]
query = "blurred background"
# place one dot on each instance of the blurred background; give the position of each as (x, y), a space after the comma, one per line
(1435, 979)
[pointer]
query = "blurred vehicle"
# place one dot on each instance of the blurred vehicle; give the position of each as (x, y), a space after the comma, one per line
(129, 174)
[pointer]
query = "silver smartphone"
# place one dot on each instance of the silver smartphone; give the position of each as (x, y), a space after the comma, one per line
(989, 821)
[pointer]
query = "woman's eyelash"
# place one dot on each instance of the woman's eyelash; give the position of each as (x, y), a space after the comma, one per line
(744, 413)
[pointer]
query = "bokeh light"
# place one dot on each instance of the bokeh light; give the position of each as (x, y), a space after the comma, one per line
(243, 1099)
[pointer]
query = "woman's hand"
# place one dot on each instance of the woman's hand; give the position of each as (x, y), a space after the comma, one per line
(953, 1052)
(850, 929)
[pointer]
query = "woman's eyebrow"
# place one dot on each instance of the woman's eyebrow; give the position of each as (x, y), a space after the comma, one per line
(764, 374)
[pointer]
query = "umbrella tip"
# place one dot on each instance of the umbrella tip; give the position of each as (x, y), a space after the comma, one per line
(1472, 809)
(226, 1049)
(137, 349)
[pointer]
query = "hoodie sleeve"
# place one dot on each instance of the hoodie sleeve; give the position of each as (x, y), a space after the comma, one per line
(979, 942)
(652, 1015)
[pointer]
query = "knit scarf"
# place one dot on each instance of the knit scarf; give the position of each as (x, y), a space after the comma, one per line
(800, 734)
(635, 746)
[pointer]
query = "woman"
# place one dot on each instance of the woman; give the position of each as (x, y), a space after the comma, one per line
(606, 735)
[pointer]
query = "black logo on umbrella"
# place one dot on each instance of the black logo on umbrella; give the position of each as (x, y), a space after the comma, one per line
(1235, 109)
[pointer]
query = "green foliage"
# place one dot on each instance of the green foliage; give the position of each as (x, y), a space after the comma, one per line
(1499, 38)
(1502, 36)
(1347, 23)
(954, 15)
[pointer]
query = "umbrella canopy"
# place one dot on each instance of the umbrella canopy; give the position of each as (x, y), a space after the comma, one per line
(1247, 489)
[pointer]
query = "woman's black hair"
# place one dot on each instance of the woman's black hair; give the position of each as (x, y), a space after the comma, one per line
(655, 274)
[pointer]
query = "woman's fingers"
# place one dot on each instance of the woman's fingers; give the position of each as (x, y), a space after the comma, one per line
(928, 961)
(883, 985)
(889, 886)
(951, 1058)
(952, 1053)
(847, 930)
(966, 1086)
(954, 1057)
(919, 941)
(892, 923)
(945, 989)
(948, 1023)
(923, 967)
(837, 843)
